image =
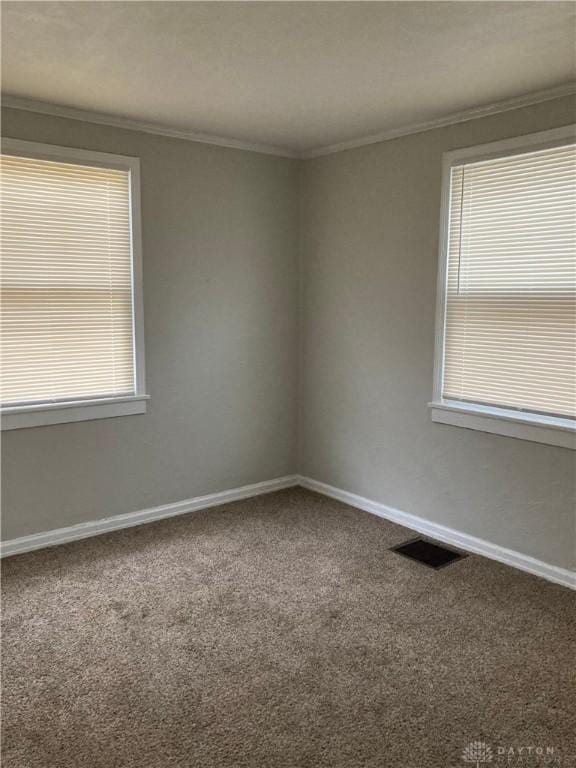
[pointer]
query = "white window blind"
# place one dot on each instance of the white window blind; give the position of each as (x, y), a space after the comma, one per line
(66, 309)
(510, 313)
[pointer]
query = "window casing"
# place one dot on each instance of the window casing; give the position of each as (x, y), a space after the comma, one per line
(71, 321)
(505, 357)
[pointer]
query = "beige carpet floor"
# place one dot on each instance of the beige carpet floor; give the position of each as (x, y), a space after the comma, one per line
(279, 632)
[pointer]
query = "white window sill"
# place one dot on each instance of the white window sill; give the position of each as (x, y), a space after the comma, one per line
(23, 416)
(501, 421)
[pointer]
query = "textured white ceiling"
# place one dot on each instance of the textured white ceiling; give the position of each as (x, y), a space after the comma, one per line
(296, 75)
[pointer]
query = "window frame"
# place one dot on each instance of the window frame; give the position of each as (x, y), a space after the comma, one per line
(41, 414)
(510, 422)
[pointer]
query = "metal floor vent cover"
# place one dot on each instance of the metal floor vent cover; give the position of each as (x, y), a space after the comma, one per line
(428, 553)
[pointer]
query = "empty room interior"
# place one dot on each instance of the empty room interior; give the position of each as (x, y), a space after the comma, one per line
(288, 384)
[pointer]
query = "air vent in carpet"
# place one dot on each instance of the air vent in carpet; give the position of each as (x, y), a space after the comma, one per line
(428, 553)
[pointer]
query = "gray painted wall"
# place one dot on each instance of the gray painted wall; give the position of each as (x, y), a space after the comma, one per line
(228, 312)
(370, 236)
(220, 244)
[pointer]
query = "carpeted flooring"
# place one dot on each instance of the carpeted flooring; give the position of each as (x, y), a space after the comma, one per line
(279, 632)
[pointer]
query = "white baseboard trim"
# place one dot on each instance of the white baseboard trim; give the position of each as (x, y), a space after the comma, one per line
(436, 531)
(439, 532)
(105, 525)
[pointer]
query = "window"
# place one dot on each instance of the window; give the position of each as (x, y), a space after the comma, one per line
(70, 313)
(506, 326)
